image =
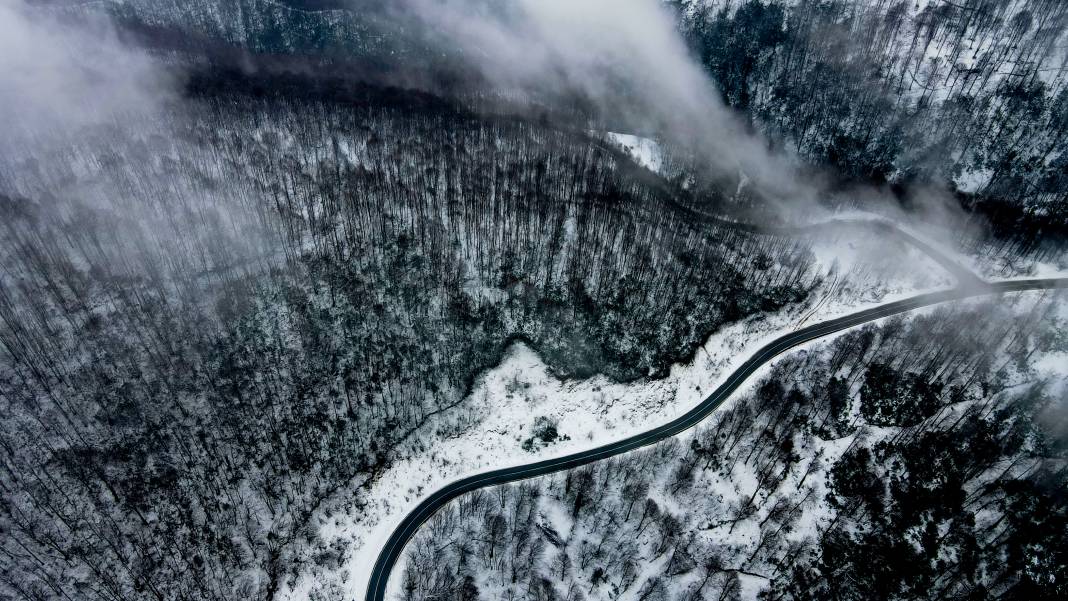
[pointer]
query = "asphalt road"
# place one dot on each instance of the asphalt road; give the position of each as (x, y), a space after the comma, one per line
(391, 552)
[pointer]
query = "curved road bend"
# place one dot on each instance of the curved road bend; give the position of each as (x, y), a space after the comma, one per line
(391, 552)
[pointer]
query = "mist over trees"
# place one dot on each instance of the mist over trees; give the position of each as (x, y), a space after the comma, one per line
(969, 92)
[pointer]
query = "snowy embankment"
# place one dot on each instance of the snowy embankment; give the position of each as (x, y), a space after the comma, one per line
(508, 399)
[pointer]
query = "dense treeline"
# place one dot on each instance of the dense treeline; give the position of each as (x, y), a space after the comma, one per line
(810, 487)
(214, 321)
(969, 91)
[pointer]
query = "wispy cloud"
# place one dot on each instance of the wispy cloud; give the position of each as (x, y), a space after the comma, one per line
(624, 56)
(58, 76)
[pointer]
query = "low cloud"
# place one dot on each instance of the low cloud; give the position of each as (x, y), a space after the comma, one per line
(624, 56)
(58, 76)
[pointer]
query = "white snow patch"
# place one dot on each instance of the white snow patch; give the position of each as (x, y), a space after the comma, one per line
(971, 181)
(645, 151)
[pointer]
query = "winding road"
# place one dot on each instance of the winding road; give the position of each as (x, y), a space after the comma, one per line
(394, 547)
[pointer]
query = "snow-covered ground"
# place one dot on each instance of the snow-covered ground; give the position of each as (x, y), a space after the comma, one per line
(644, 151)
(508, 398)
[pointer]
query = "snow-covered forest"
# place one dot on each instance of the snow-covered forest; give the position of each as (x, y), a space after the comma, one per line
(271, 271)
